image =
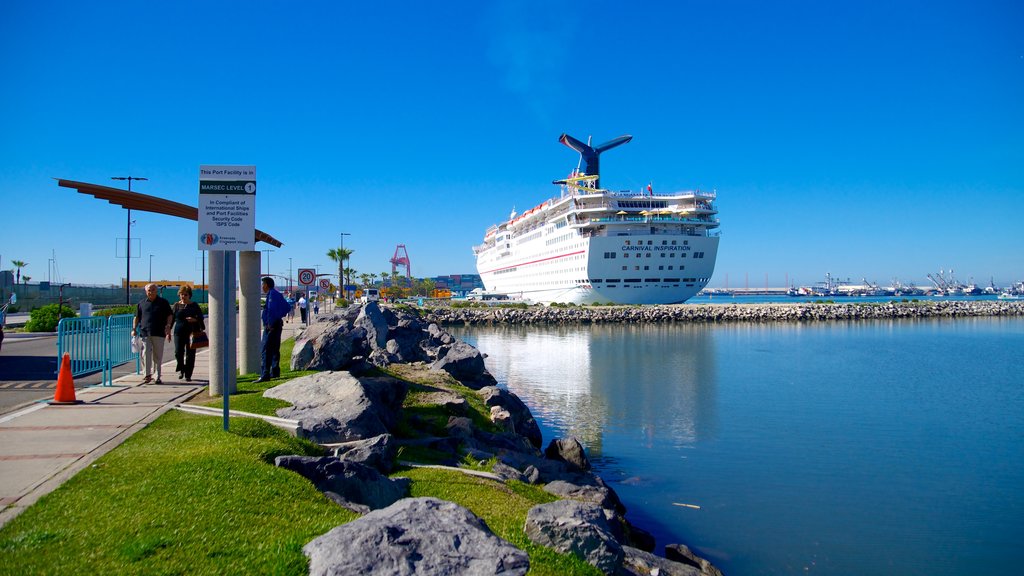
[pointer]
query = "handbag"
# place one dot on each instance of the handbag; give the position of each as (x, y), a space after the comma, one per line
(199, 340)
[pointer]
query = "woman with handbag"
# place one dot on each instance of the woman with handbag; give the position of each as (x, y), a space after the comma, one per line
(188, 320)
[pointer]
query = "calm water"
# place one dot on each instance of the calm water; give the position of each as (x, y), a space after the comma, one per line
(889, 447)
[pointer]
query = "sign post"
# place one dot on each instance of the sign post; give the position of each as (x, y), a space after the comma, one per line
(227, 223)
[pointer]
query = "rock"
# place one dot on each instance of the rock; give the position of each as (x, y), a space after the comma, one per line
(372, 320)
(682, 554)
(502, 419)
(328, 345)
(579, 528)
(522, 420)
(459, 427)
(465, 364)
(337, 407)
(352, 481)
(415, 536)
(377, 452)
(603, 496)
(570, 451)
(639, 563)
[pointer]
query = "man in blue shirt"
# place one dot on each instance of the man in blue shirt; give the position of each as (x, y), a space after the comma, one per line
(273, 323)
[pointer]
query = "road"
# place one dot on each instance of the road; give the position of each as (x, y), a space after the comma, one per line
(28, 371)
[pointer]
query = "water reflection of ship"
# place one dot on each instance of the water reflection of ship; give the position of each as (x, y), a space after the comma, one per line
(579, 380)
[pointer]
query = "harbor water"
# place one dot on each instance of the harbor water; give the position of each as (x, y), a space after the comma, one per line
(870, 447)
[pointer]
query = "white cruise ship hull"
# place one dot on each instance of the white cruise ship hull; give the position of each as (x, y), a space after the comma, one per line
(646, 269)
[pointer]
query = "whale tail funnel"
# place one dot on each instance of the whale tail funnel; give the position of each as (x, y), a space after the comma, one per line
(592, 154)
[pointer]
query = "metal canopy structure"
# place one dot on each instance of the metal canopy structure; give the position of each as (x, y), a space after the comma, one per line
(147, 203)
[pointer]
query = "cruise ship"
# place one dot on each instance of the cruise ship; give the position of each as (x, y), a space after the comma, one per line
(591, 245)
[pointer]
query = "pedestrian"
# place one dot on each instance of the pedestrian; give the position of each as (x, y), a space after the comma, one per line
(273, 323)
(302, 307)
(153, 317)
(316, 305)
(289, 297)
(188, 318)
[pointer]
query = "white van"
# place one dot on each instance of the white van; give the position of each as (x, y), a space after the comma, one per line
(369, 295)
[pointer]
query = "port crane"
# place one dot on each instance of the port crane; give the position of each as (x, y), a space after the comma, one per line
(401, 258)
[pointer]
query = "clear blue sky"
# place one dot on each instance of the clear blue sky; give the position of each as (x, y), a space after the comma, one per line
(865, 139)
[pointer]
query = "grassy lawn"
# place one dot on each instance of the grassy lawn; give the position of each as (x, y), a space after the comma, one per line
(179, 497)
(182, 496)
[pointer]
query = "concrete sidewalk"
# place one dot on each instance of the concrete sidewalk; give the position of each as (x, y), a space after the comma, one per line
(43, 445)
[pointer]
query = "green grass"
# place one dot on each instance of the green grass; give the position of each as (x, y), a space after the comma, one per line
(182, 496)
(503, 507)
(179, 497)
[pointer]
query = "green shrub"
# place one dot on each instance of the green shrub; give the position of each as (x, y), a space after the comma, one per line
(45, 319)
(125, 309)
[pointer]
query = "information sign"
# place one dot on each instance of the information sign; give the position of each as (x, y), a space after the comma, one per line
(307, 276)
(227, 208)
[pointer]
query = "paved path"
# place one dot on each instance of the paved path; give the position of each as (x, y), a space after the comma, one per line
(42, 445)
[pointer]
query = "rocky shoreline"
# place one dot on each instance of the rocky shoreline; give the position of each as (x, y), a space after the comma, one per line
(373, 364)
(707, 313)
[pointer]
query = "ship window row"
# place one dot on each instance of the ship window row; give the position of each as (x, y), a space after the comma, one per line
(648, 204)
(698, 254)
(648, 255)
(663, 243)
(611, 282)
(533, 236)
(648, 267)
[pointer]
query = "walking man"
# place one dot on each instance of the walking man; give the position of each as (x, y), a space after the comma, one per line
(302, 307)
(152, 323)
(273, 323)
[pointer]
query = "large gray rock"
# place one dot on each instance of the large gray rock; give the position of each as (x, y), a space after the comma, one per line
(603, 496)
(522, 419)
(682, 554)
(639, 563)
(377, 452)
(328, 345)
(373, 321)
(465, 364)
(415, 536)
(570, 451)
(338, 407)
(352, 481)
(579, 528)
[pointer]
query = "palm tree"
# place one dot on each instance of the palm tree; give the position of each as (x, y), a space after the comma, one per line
(364, 278)
(373, 279)
(27, 278)
(339, 255)
(19, 265)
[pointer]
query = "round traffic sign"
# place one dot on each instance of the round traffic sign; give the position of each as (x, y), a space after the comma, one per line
(306, 277)
(325, 283)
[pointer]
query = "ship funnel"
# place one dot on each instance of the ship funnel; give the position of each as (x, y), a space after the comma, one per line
(591, 154)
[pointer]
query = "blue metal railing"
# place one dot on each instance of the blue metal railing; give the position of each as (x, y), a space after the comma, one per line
(96, 343)
(119, 345)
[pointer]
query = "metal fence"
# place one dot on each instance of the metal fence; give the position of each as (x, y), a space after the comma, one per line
(96, 343)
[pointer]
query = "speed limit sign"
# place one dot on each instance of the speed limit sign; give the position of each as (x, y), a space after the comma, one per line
(307, 276)
(325, 283)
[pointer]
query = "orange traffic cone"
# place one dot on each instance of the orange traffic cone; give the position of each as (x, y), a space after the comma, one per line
(65, 384)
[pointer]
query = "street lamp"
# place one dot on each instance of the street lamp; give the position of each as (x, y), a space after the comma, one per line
(341, 277)
(268, 258)
(128, 243)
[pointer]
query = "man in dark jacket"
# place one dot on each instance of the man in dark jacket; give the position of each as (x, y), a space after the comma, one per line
(273, 323)
(153, 318)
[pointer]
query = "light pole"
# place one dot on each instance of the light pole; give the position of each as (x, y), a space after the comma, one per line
(341, 277)
(268, 259)
(289, 274)
(128, 243)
